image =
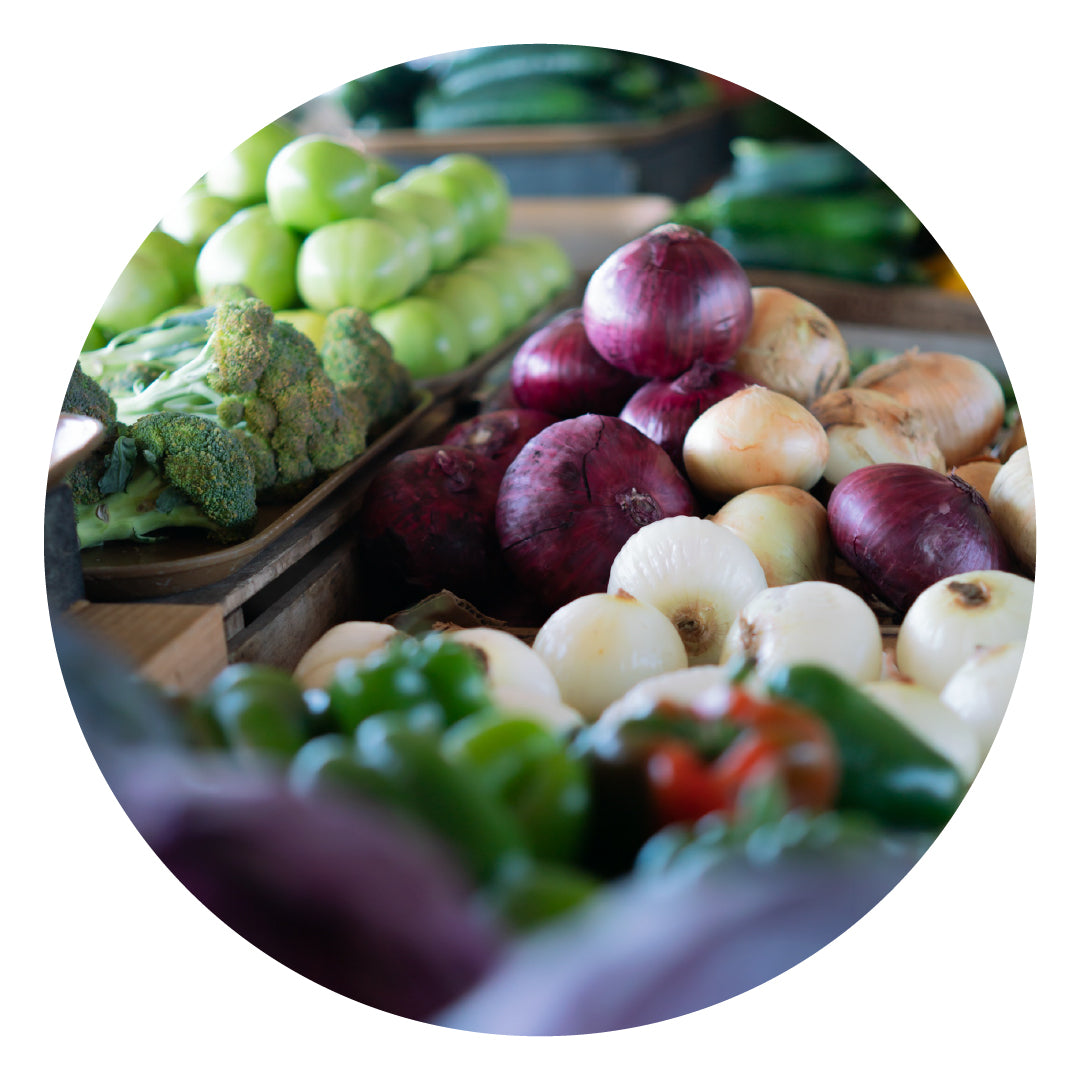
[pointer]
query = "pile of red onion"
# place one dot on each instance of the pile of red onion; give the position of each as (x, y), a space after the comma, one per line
(904, 527)
(500, 434)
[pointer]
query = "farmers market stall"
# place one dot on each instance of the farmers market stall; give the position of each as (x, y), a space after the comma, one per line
(538, 553)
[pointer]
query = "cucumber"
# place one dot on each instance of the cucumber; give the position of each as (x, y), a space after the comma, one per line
(788, 166)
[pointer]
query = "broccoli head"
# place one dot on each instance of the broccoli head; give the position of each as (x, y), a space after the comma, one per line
(170, 471)
(262, 376)
(86, 397)
(361, 363)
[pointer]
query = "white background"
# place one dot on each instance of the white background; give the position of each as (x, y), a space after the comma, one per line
(112, 109)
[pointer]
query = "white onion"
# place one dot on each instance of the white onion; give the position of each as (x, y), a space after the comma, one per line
(600, 645)
(980, 690)
(922, 712)
(1013, 506)
(353, 640)
(808, 623)
(680, 688)
(956, 616)
(786, 528)
(696, 573)
(752, 438)
(508, 661)
(521, 702)
(866, 427)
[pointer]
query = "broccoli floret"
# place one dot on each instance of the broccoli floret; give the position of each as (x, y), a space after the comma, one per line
(169, 471)
(361, 363)
(86, 397)
(262, 376)
(135, 358)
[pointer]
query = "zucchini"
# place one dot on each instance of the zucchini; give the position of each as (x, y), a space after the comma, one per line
(759, 166)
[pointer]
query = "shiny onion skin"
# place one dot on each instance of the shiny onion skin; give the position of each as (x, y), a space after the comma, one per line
(904, 527)
(428, 520)
(556, 370)
(574, 495)
(500, 434)
(664, 409)
(665, 300)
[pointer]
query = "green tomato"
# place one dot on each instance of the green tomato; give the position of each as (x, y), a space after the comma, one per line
(476, 300)
(514, 299)
(197, 215)
(356, 263)
(253, 250)
(415, 238)
(445, 236)
(309, 323)
(315, 180)
(241, 175)
(424, 334)
(146, 287)
(488, 186)
(550, 262)
(459, 192)
(522, 266)
(177, 257)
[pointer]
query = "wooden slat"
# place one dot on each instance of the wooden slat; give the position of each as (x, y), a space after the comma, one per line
(181, 647)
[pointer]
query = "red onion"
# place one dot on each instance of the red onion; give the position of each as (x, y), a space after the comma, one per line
(427, 520)
(556, 370)
(499, 435)
(574, 495)
(664, 409)
(904, 527)
(661, 302)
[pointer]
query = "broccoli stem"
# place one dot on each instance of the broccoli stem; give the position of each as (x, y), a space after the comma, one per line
(133, 514)
(182, 390)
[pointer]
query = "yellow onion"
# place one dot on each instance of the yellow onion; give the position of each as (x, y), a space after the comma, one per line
(866, 427)
(352, 640)
(979, 472)
(600, 645)
(808, 623)
(957, 616)
(1013, 507)
(785, 527)
(792, 346)
(1015, 440)
(960, 398)
(752, 438)
(696, 573)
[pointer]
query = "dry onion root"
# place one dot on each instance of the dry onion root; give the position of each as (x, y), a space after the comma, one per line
(792, 347)
(866, 427)
(752, 438)
(787, 529)
(960, 398)
(1013, 507)
(696, 573)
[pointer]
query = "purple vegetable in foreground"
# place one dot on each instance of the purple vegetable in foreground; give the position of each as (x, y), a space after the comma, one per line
(904, 527)
(345, 895)
(574, 495)
(499, 434)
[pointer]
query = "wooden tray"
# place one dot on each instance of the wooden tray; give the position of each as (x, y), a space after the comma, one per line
(174, 564)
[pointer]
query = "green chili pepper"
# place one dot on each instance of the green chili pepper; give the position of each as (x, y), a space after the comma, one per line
(447, 798)
(529, 893)
(258, 708)
(886, 770)
(528, 769)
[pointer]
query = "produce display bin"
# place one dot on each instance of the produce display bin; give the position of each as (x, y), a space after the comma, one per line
(677, 156)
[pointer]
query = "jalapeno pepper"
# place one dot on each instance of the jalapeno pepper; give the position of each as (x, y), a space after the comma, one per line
(433, 672)
(258, 709)
(886, 769)
(526, 768)
(530, 892)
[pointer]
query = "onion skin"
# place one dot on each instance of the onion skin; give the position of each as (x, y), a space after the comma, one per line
(556, 370)
(980, 473)
(664, 409)
(792, 346)
(904, 527)
(960, 398)
(428, 520)
(499, 435)
(572, 498)
(665, 300)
